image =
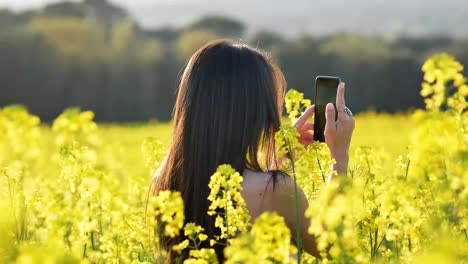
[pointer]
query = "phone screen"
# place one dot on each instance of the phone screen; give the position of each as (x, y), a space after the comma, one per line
(325, 92)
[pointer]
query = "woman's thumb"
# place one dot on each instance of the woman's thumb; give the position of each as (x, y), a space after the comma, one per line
(330, 116)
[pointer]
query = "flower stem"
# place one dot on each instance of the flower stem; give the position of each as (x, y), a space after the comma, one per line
(296, 197)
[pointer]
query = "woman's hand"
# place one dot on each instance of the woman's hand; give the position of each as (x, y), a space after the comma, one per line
(338, 132)
(304, 128)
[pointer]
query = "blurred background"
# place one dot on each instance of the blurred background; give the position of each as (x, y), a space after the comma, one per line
(122, 59)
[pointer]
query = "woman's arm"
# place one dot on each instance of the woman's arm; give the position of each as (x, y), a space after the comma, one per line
(338, 135)
(338, 132)
(284, 201)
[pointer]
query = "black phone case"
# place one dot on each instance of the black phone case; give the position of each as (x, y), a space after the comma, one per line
(319, 115)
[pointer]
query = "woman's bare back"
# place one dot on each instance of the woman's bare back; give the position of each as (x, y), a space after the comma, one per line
(262, 195)
(257, 192)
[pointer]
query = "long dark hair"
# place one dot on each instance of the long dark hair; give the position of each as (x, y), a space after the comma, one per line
(228, 109)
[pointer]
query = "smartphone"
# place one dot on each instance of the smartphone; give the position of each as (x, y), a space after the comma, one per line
(325, 92)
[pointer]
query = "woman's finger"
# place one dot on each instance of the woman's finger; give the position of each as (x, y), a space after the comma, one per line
(307, 126)
(340, 97)
(330, 125)
(303, 118)
(306, 138)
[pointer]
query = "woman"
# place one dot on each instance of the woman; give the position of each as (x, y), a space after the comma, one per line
(228, 109)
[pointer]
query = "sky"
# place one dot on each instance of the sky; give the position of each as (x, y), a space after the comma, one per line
(24, 4)
(292, 17)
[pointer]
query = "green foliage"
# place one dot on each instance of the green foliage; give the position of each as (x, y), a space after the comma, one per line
(219, 25)
(73, 38)
(127, 46)
(354, 48)
(93, 53)
(83, 40)
(191, 41)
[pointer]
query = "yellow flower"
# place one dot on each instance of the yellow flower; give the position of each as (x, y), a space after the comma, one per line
(295, 104)
(168, 209)
(269, 241)
(225, 186)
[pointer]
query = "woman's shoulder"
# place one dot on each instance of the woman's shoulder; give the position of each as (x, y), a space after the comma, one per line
(271, 180)
(276, 189)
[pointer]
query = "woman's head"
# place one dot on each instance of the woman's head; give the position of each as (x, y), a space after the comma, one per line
(228, 108)
(229, 102)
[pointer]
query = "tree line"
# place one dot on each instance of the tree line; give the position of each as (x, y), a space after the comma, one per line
(92, 54)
